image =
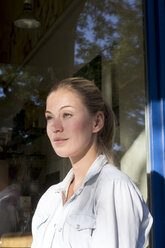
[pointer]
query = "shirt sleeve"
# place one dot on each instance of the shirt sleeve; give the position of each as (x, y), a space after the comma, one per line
(122, 218)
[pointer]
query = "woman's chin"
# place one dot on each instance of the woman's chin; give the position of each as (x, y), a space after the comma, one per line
(61, 154)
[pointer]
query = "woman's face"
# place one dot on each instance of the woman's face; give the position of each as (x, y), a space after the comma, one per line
(70, 127)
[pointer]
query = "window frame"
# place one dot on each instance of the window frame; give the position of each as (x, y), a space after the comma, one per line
(155, 73)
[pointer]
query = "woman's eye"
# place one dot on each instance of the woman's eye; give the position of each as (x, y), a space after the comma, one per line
(67, 115)
(48, 118)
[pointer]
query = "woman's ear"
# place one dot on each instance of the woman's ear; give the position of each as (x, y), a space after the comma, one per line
(98, 122)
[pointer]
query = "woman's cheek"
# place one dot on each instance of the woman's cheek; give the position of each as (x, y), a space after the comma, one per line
(48, 131)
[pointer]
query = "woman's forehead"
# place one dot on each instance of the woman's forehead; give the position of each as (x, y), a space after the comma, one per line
(64, 94)
(64, 97)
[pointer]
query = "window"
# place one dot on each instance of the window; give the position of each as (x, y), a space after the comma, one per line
(100, 40)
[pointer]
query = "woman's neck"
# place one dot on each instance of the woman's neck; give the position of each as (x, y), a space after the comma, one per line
(81, 167)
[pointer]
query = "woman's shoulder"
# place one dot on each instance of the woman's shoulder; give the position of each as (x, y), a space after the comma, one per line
(50, 195)
(116, 189)
(113, 178)
(53, 195)
(52, 192)
(111, 173)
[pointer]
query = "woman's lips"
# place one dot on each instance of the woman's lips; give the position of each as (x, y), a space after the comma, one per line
(59, 140)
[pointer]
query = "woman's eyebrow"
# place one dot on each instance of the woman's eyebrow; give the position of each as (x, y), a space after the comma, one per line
(48, 112)
(66, 106)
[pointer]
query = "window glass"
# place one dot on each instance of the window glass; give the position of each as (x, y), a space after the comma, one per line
(99, 40)
(109, 46)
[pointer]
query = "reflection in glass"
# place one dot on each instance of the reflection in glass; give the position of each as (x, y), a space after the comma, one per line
(105, 44)
(22, 102)
(108, 30)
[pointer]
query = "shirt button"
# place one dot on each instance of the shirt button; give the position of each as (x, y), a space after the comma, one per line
(60, 229)
(78, 226)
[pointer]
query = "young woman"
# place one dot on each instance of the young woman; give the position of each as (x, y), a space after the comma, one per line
(96, 205)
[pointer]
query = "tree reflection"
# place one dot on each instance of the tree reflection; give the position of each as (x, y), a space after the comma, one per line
(111, 29)
(22, 105)
(108, 32)
(114, 30)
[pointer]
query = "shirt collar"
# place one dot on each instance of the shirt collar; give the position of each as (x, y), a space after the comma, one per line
(94, 169)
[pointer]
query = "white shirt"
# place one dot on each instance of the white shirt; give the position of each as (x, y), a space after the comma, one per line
(107, 211)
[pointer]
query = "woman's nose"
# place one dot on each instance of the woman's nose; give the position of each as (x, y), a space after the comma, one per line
(57, 126)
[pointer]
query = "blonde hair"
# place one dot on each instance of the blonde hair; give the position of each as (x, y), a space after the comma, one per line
(94, 102)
